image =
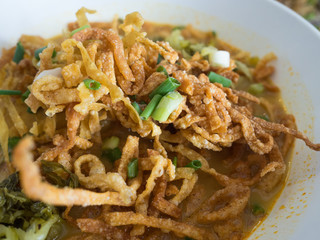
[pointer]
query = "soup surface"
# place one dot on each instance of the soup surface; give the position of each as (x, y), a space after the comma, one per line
(137, 130)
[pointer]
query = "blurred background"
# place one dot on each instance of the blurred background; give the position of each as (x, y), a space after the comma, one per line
(309, 9)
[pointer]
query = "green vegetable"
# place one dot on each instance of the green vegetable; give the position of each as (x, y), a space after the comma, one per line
(12, 142)
(175, 161)
(20, 217)
(188, 238)
(257, 210)
(137, 107)
(79, 29)
(112, 154)
(133, 168)
(253, 61)
(25, 95)
(243, 68)
(58, 175)
(38, 229)
(110, 148)
(197, 47)
(29, 110)
(196, 164)
(166, 106)
(163, 70)
(214, 33)
(40, 50)
(168, 85)
(216, 78)
(10, 92)
(160, 58)
(256, 88)
(19, 53)
(150, 107)
(92, 84)
(110, 143)
(176, 40)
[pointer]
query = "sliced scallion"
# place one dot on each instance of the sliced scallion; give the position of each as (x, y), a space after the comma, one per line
(40, 50)
(29, 110)
(257, 210)
(112, 154)
(10, 92)
(110, 143)
(92, 84)
(175, 161)
(79, 29)
(13, 141)
(253, 61)
(136, 107)
(196, 164)
(25, 95)
(160, 58)
(168, 85)
(216, 78)
(166, 106)
(150, 107)
(163, 70)
(256, 88)
(133, 168)
(19, 53)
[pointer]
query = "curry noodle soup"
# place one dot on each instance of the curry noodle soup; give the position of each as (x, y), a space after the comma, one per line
(135, 130)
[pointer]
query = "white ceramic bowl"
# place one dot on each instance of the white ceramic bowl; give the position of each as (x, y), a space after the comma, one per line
(258, 26)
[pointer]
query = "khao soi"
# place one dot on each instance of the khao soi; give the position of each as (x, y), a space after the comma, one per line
(135, 130)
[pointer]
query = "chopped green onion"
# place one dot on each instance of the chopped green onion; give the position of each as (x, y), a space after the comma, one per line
(54, 53)
(10, 92)
(196, 164)
(216, 78)
(29, 110)
(92, 84)
(166, 106)
(150, 107)
(264, 117)
(12, 142)
(168, 85)
(79, 29)
(137, 107)
(253, 61)
(175, 161)
(257, 210)
(25, 95)
(40, 50)
(163, 70)
(160, 58)
(18, 54)
(133, 168)
(112, 154)
(110, 143)
(256, 88)
(244, 69)
(214, 33)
